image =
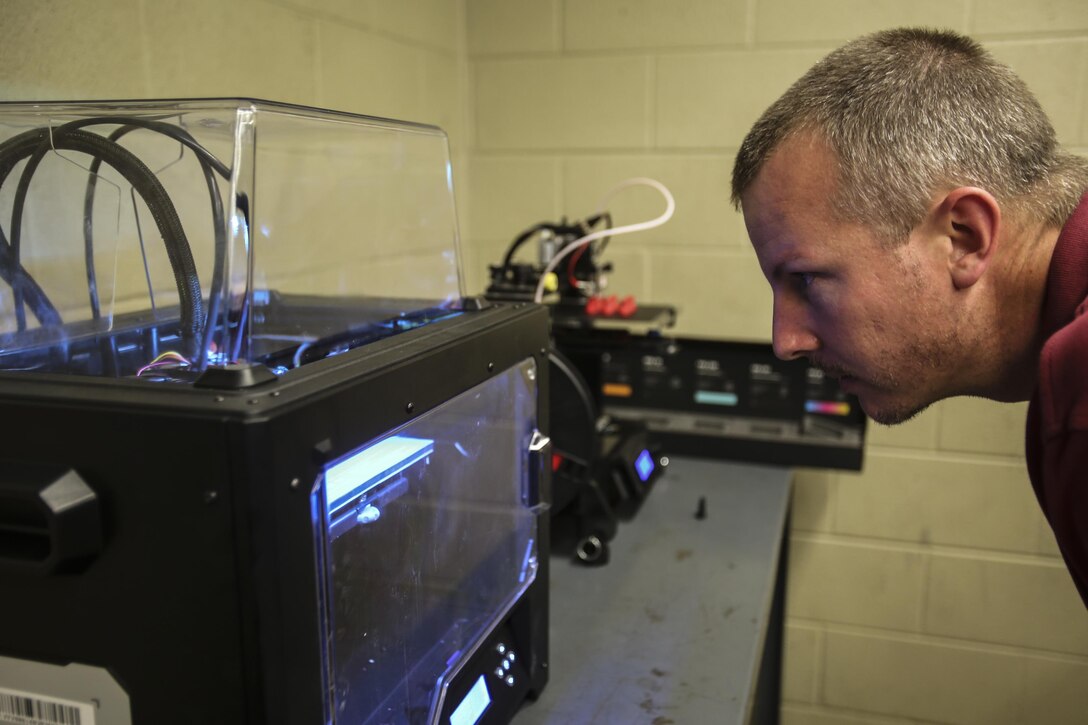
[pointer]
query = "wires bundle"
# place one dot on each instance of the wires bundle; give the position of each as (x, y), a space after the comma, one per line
(580, 243)
(32, 147)
(584, 241)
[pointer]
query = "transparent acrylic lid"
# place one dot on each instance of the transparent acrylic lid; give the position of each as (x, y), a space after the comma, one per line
(425, 538)
(157, 239)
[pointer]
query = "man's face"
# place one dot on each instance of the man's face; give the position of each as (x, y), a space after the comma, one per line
(878, 318)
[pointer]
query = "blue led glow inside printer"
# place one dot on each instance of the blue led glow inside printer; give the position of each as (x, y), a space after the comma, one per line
(353, 489)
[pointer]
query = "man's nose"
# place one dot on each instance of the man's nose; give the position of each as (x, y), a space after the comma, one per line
(791, 335)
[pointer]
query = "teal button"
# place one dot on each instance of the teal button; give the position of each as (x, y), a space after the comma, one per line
(714, 398)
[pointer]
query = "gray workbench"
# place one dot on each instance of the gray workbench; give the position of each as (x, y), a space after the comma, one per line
(676, 627)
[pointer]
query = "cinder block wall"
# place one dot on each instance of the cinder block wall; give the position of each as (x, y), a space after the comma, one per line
(392, 59)
(926, 589)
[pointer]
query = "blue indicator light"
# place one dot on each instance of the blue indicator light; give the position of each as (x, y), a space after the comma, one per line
(715, 398)
(473, 706)
(644, 465)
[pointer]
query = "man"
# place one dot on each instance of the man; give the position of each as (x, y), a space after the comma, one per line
(925, 236)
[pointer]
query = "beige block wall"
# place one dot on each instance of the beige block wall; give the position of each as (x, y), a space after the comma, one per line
(401, 60)
(926, 589)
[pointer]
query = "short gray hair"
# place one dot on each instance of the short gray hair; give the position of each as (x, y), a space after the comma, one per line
(911, 111)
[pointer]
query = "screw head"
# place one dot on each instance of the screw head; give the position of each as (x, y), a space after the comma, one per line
(490, 367)
(410, 407)
(295, 482)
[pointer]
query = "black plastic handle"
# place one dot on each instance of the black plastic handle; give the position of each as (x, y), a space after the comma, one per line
(50, 520)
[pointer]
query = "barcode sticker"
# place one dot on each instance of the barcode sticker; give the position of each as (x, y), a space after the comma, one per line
(28, 708)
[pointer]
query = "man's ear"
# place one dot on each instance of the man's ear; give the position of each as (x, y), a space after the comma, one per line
(970, 218)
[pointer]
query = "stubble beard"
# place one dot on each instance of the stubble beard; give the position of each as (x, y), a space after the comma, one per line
(909, 380)
(922, 369)
(916, 379)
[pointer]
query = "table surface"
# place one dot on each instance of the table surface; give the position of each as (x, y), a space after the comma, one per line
(671, 630)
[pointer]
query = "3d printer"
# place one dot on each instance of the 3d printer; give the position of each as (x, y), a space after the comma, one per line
(602, 469)
(624, 389)
(261, 461)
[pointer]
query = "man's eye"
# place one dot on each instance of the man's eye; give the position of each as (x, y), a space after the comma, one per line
(803, 279)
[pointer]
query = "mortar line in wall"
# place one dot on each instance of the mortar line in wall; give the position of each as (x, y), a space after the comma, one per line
(750, 24)
(601, 53)
(467, 94)
(474, 101)
(948, 455)
(923, 593)
(558, 19)
(145, 49)
(1031, 36)
(1083, 100)
(997, 556)
(318, 15)
(558, 176)
(715, 251)
(742, 47)
(818, 682)
(319, 85)
(872, 718)
(633, 247)
(647, 273)
(745, 47)
(833, 502)
(927, 638)
(725, 151)
(650, 103)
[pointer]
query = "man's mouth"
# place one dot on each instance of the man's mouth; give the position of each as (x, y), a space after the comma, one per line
(831, 370)
(844, 377)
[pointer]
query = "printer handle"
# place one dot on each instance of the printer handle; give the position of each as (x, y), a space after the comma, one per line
(50, 520)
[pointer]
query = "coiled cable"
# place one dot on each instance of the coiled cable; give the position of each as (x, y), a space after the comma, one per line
(34, 144)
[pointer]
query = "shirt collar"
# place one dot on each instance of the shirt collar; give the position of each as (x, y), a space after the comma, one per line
(1067, 279)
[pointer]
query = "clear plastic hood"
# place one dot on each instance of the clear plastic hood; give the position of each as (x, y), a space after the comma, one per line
(155, 240)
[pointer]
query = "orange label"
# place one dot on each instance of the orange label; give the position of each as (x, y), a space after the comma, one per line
(616, 390)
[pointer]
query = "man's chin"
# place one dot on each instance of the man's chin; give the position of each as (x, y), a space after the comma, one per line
(889, 413)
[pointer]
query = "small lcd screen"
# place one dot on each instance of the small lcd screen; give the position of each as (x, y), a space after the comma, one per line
(644, 465)
(473, 706)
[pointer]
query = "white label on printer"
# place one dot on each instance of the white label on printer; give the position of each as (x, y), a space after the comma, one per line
(29, 708)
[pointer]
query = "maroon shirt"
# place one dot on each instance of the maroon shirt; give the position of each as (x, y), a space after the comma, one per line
(1057, 427)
